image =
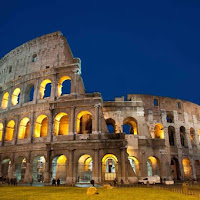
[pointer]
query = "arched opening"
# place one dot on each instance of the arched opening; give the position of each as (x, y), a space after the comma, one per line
(192, 135)
(10, 130)
(159, 131)
(5, 167)
(64, 85)
(15, 96)
(41, 126)
(29, 93)
(20, 169)
(110, 125)
(38, 169)
(84, 122)
(61, 124)
(45, 89)
(197, 168)
(153, 166)
(170, 118)
(155, 102)
(109, 167)
(175, 169)
(183, 136)
(187, 168)
(134, 164)
(4, 103)
(24, 128)
(59, 168)
(171, 133)
(1, 131)
(130, 126)
(84, 174)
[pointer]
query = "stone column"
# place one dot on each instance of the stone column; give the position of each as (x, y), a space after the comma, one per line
(15, 136)
(4, 132)
(187, 133)
(70, 166)
(32, 126)
(143, 165)
(96, 124)
(95, 168)
(47, 175)
(28, 174)
(194, 176)
(36, 95)
(123, 165)
(72, 128)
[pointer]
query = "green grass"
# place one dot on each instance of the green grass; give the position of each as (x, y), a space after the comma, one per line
(73, 193)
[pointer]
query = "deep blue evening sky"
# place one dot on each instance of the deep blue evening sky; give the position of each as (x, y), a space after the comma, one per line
(147, 47)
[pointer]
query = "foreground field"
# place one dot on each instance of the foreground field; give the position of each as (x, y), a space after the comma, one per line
(73, 193)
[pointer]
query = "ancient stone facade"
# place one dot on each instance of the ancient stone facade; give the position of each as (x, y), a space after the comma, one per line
(51, 128)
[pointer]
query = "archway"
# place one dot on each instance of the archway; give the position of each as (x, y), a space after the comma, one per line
(24, 128)
(153, 167)
(59, 168)
(197, 168)
(10, 130)
(15, 96)
(183, 137)
(84, 122)
(4, 103)
(5, 167)
(171, 133)
(187, 168)
(85, 165)
(64, 85)
(134, 164)
(20, 169)
(45, 89)
(1, 131)
(130, 126)
(159, 131)
(38, 169)
(175, 169)
(110, 125)
(61, 124)
(109, 167)
(29, 93)
(41, 126)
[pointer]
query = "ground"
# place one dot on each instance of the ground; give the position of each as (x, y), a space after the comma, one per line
(61, 193)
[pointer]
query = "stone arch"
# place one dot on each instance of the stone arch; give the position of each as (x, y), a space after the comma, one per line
(1, 131)
(159, 131)
(111, 125)
(41, 126)
(183, 137)
(45, 89)
(109, 167)
(134, 162)
(4, 102)
(15, 96)
(5, 167)
(171, 133)
(10, 128)
(38, 168)
(153, 166)
(84, 122)
(197, 168)
(64, 85)
(187, 168)
(59, 168)
(29, 93)
(130, 126)
(20, 169)
(24, 128)
(170, 118)
(175, 169)
(84, 169)
(192, 135)
(61, 124)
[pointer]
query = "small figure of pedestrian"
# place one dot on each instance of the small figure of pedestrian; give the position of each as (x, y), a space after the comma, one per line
(92, 182)
(58, 182)
(15, 181)
(115, 182)
(54, 181)
(11, 181)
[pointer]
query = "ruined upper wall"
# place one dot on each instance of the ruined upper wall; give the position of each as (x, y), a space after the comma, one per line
(51, 50)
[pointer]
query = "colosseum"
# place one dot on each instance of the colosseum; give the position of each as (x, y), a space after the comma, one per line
(51, 128)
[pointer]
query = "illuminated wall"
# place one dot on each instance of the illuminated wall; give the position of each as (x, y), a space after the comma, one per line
(10, 130)
(4, 103)
(41, 126)
(24, 128)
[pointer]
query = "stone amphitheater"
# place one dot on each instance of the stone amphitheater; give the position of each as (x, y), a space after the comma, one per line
(51, 128)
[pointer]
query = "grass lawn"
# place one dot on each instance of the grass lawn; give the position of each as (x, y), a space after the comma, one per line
(74, 193)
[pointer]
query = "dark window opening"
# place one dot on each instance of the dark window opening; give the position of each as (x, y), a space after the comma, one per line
(34, 58)
(179, 105)
(31, 93)
(66, 87)
(47, 92)
(155, 102)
